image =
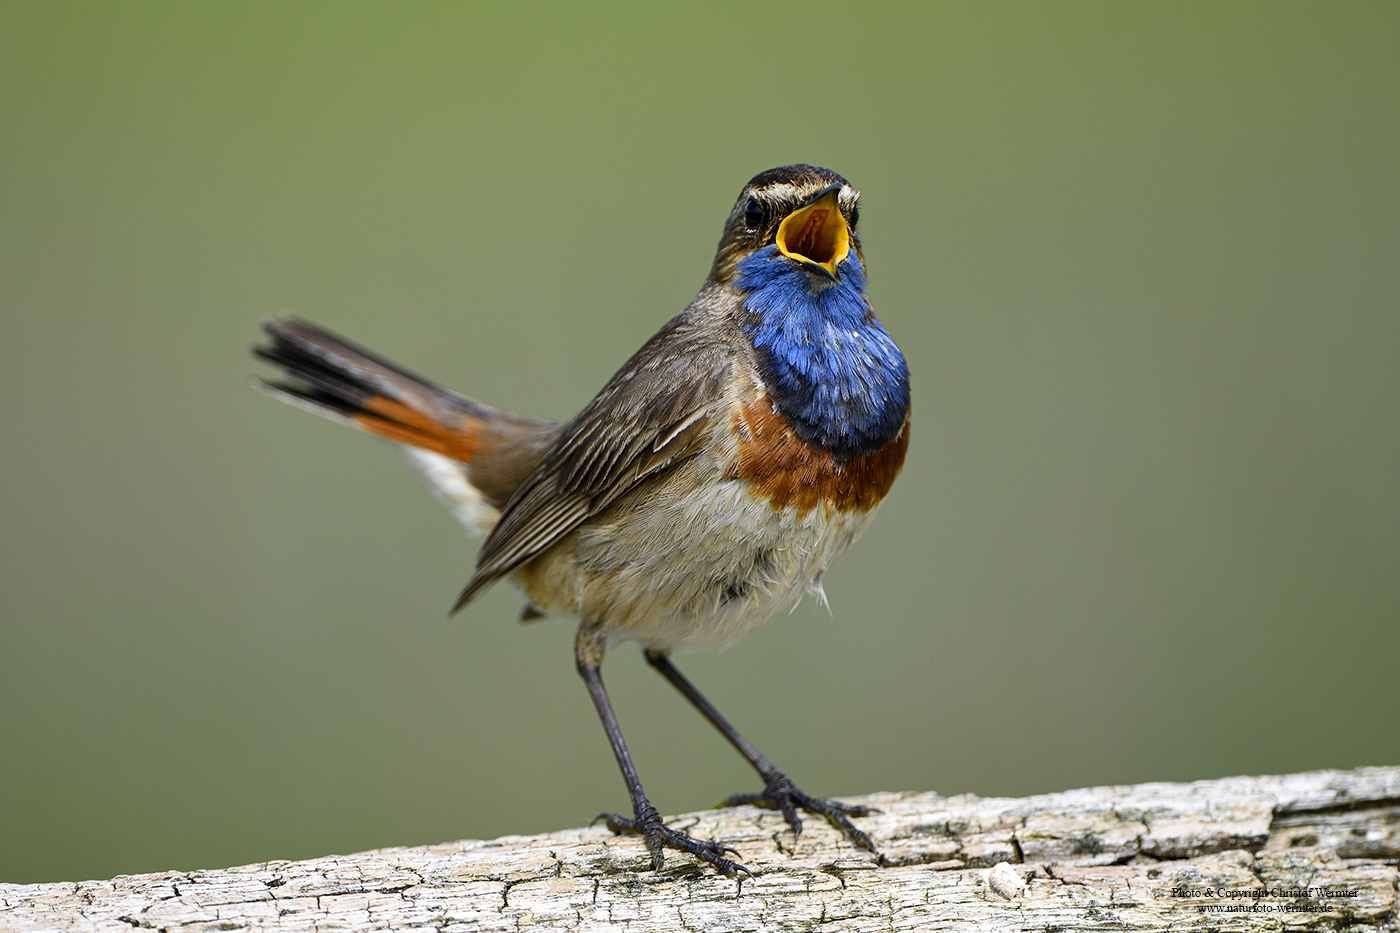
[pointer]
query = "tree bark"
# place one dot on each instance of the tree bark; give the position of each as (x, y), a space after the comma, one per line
(1315, 851)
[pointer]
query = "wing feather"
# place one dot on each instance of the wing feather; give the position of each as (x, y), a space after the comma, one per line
(648, 415)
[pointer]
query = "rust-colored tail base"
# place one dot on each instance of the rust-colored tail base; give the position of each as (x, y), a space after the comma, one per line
(474, 456)
(338, 380)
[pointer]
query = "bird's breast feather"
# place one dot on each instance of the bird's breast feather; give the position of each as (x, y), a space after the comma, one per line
(784, 470)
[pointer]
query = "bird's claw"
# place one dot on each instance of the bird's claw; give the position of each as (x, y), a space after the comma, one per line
(782, 795)
(657, 836)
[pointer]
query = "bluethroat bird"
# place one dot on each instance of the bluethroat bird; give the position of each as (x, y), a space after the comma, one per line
(711, 482)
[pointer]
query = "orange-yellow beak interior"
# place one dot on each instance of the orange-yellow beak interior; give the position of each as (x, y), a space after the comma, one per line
(816, 235)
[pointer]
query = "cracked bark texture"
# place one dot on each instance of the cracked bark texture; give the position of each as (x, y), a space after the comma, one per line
(1315, 851)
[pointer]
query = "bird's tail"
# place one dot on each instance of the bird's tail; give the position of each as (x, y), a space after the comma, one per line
(472, 454)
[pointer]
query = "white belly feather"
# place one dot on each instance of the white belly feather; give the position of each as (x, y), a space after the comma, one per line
(689, 562)
(680, 562)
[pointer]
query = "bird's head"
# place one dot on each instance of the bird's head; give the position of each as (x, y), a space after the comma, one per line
(808, 213)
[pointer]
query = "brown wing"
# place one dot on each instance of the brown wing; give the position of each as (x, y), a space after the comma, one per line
(640, 423)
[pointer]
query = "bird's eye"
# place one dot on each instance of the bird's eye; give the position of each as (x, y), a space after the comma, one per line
(753, 214)
(855, 215)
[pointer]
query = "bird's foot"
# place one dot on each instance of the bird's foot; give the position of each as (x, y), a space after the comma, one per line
(657, 836)
(781, 794)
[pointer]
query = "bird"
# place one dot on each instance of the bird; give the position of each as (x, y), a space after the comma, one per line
(706, 488)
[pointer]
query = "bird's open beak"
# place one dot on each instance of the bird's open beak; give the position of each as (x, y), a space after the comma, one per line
(817, 235)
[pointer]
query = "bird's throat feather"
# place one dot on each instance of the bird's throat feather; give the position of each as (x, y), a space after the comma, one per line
(829, 367)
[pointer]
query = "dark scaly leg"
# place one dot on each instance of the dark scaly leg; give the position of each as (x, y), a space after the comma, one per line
(645, 820)
(779, 793)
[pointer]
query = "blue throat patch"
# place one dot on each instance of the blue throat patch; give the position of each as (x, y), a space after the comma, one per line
(830, 368)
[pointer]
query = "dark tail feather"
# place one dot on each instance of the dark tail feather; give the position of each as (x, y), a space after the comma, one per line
(333, 377)
(340, 376)
(336, 379)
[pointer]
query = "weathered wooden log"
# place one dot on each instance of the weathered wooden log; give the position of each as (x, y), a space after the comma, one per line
(1315, 851)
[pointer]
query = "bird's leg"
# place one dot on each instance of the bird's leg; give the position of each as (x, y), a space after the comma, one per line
(645, 820)
(779, 793)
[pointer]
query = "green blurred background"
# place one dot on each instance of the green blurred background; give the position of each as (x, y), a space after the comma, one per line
(1144, 261)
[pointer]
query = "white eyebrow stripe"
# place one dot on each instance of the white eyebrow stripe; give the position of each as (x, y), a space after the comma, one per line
(790, 192)
(784, 190)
